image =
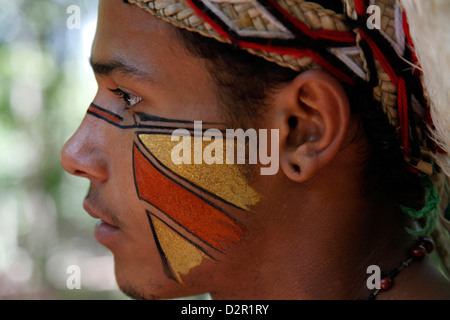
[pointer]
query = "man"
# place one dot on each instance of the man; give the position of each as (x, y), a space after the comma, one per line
(179, 224)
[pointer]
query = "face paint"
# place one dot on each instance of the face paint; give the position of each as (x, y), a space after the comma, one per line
(182, 205)
(105, 115)
(179, 254)
(188, 206)
(225, 181)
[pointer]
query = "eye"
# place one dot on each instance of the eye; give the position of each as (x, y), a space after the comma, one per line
(130, 99)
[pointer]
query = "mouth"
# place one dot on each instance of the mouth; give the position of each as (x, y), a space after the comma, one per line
(106, 232)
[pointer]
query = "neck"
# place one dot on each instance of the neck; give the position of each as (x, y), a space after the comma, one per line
(316, 249)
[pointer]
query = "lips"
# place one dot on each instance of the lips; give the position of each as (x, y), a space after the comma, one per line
(106, 232)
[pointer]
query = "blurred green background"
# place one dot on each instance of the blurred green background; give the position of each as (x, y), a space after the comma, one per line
(46, 86)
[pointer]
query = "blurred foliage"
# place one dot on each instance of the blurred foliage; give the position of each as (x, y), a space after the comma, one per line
(45, 88)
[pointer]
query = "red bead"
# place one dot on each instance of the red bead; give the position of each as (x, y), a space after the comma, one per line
(385, 283)
(427, 243)
(418, 253)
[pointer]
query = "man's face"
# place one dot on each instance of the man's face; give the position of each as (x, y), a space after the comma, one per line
(167, 225)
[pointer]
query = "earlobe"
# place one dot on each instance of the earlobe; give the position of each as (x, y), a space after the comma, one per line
(315, 113)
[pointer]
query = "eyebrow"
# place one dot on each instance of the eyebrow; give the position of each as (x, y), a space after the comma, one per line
(105, 68)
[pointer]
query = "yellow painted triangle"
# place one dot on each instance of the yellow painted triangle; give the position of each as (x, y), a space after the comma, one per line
(181, 255)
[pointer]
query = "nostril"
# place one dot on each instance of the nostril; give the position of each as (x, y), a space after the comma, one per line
(292, 122)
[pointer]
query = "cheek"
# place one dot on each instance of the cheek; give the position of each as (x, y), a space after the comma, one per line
(121, 174)
(193, 209)
(225, 183)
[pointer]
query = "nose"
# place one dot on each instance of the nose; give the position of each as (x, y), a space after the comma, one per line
(84, 154)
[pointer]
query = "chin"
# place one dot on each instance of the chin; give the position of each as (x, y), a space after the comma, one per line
(146, 283)
(137, 282)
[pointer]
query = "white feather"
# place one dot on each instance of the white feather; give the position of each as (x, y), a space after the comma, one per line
(429, 22)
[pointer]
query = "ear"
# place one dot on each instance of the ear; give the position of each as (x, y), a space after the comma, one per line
(313, 113)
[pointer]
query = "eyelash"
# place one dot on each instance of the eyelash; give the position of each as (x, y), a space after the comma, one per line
(128, 98)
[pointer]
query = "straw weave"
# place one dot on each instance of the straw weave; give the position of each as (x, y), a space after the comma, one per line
(247, 17)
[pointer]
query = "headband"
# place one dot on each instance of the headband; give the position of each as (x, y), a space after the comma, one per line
(367, 43)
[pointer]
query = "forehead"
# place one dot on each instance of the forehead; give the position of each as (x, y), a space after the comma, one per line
(178, 80)
(128, 33)
(120, 19)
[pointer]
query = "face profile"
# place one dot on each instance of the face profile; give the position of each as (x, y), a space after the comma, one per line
(226, 169)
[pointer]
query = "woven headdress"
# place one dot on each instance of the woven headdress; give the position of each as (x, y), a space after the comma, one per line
(364, 42)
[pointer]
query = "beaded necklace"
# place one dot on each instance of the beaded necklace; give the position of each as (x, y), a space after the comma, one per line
(422, 248)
